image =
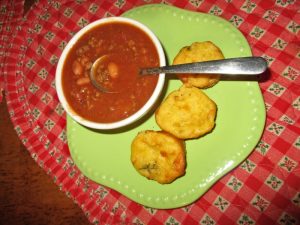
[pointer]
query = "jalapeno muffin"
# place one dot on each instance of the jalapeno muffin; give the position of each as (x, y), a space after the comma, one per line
(186, 113)
(158, 156)
(198, 52)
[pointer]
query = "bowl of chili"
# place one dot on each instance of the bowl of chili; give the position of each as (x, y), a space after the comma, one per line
(126, 46)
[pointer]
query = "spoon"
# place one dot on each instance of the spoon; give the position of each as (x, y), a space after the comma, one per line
(233, 66)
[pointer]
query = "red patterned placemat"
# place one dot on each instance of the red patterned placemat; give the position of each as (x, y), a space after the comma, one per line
(11, 13)
(264, 189)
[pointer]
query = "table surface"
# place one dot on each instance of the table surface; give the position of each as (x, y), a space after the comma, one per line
(35, 162)
(27, 193)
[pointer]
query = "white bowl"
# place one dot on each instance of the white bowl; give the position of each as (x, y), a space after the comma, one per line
(142, 111)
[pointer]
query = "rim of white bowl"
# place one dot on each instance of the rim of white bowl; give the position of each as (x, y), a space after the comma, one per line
(142, 111)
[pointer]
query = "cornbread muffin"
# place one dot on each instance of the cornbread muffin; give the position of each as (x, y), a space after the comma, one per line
(158, 156)
(187, 113)
(198, 52)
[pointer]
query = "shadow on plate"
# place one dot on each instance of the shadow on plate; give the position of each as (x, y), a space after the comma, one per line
(138, 122)
(259, 78)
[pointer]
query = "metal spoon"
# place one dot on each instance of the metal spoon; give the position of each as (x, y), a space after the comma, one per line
(233, 66)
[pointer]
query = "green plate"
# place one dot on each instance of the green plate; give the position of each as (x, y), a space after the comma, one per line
(105, 156)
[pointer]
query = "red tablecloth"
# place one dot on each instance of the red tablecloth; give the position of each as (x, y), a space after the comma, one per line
(264, 189)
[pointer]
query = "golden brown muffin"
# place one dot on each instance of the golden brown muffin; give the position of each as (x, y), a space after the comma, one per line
(198, 52)
(158, 156)
(187, 113)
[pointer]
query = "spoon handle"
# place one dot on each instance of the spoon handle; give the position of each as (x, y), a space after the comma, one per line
(233, 66)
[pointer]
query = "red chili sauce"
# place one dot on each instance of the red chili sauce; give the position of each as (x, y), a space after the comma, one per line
(129, 48)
